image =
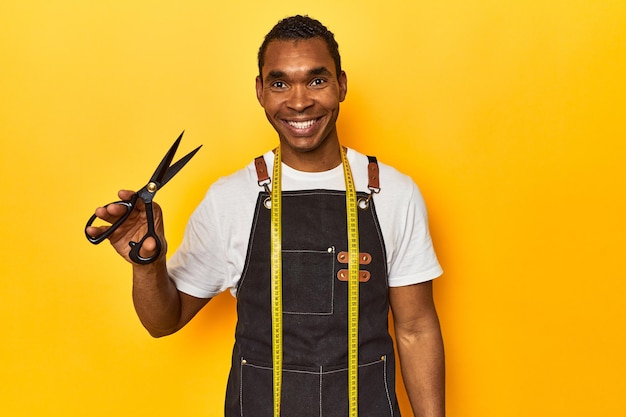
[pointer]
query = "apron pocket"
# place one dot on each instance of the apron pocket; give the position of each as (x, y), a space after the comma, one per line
(300, 398)
(375, 400)
(315, 393)
(308, 283)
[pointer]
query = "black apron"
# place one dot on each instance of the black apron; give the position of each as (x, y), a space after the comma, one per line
(315, 314)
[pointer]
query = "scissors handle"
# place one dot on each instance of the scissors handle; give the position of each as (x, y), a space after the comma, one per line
(130, 205)
(135, 247)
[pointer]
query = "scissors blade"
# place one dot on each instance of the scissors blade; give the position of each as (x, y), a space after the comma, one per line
(173, 170)
(164, 165)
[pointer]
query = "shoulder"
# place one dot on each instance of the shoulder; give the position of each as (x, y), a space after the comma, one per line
(240, 184)
(229, 199)
(394, 185)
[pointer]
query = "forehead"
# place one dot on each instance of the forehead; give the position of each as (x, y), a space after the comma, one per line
(303, 54)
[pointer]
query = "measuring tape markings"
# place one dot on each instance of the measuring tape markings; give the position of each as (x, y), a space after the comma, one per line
(353, 287)
(353, 284)
(277, 307)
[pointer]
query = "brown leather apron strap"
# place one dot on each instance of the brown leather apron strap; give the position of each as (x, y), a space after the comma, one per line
(261, 171)
(372, 174)
(373, 179)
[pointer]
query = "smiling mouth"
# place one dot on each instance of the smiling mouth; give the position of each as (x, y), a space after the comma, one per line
(301, 125)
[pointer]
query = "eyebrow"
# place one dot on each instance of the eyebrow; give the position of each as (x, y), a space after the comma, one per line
(320, 71)
(277, 74)
(273, 75)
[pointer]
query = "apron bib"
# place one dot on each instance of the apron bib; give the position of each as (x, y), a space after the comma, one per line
(315, 314)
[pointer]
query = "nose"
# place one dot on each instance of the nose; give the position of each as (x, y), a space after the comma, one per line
(300, 98)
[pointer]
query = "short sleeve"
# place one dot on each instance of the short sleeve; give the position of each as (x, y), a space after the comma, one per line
(411, 257)
(198, 266)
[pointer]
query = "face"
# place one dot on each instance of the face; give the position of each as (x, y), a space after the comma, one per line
(300, 92)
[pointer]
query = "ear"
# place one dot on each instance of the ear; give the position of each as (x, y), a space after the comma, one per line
(259, 90)
(343, 85)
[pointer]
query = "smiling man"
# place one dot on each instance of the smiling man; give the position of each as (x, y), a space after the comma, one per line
(231, 241)
(300, 88)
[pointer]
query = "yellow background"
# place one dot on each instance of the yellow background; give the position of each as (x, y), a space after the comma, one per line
(509, 115)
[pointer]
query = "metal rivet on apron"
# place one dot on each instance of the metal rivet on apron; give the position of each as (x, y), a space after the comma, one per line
(268, 203)
(343, 274)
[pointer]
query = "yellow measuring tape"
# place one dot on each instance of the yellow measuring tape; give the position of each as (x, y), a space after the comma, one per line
(277, 277)
(353, 284)
(353, 288)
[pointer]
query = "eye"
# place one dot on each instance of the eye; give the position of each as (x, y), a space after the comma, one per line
(317, 82)
(279, 85)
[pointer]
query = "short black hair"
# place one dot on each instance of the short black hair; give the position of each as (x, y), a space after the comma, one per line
(298, 28)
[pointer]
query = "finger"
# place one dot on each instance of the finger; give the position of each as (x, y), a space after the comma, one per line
(94, 231)
(148, 248)
(102, 213)
(116, 210)
(111, 212)
(125, 194)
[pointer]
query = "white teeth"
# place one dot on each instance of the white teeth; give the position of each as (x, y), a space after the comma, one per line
(301, 125)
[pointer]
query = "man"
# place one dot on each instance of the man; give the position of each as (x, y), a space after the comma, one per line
(227, 247)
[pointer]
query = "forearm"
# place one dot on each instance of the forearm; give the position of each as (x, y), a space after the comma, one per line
(156, 299)
(423, 370)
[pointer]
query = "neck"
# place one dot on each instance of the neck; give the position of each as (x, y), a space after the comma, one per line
(318, 160)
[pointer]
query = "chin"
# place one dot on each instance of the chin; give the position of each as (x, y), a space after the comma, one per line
(302, 145)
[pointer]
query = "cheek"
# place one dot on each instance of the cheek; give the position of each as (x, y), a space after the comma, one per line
(330, 103)
(328, 99)
(271, 104)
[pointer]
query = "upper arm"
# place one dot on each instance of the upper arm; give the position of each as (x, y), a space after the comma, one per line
(420, 347)
(189, 307)
(413, 308)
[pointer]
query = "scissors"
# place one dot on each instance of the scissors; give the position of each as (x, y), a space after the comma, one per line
(161, 176)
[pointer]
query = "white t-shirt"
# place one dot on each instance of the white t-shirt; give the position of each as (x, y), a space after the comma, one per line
(211, 257)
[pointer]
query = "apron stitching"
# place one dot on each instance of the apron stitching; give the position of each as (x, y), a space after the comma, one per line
(307, 314)
(321, 399)
(386, 387)
(304, 251)
(241, 388)
(312, 372)
(255, 221)
(372, 212)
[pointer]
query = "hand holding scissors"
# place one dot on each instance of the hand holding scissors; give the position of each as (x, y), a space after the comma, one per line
(161, 176)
